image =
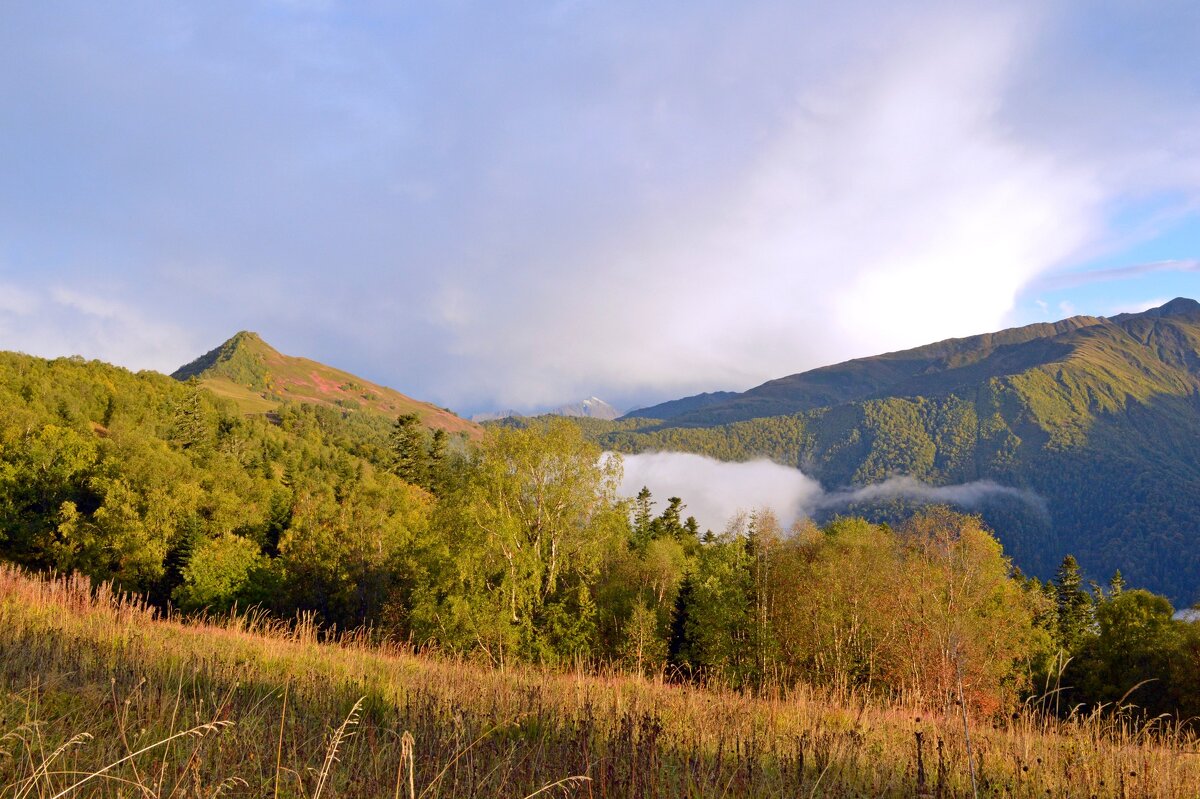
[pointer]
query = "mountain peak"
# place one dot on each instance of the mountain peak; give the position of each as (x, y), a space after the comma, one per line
(1180, 306)
(245, 338)
(241, 359)
(592, 407)
(256, 376)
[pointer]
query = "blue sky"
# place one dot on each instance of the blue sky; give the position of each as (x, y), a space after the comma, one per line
(513, 205)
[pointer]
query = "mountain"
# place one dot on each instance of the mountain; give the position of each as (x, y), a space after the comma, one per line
(495, 416)
(591, 408)
(679, 407)
(1097, 419)
(258, 378)
(931, 368)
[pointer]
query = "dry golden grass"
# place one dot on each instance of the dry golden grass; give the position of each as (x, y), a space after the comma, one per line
(97, 688)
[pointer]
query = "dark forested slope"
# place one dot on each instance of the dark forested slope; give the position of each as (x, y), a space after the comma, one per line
(1100, 417)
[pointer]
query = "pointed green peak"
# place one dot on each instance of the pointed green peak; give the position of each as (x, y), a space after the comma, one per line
(247, 339)
(240, 359)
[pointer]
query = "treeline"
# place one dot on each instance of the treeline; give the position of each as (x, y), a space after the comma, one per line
(1119, 647)
(519, 549)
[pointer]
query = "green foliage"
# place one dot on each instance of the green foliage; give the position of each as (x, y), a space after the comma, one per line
(218, 572)
(523, 537)
(917, 606)
(1073, 604)
(241, 359)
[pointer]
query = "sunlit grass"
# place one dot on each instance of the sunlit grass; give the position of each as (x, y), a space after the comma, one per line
(97, 688)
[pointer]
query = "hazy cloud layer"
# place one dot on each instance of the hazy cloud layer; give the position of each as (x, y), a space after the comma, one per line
(497, 206)
(716, 491)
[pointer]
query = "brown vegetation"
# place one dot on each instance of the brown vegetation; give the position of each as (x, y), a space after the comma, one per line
(96, 685)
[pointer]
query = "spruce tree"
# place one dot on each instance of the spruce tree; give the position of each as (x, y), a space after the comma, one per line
(1073, 603)
(410, 458)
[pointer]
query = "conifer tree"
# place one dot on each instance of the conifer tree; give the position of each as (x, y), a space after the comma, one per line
(410, 458)
(190, 427)
(1073, 603)
(437, 462)
(643, 517)
(1117, 584)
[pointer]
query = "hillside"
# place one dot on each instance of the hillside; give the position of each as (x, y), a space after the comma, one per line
(253, 706)
(258, 378)
(1099, 417)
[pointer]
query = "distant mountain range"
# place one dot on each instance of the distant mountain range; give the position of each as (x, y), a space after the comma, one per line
(590, 408)
(258, 378)
(1097, 417)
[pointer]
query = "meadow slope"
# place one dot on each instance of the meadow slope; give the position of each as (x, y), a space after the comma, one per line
(90, 677)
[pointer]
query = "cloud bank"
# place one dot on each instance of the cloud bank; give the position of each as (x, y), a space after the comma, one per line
(716, 491)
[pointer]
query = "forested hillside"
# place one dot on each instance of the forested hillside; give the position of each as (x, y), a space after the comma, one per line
(1099, 417)
(517, 548)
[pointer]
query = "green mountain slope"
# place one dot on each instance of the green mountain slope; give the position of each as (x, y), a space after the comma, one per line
(1099, 417)
(258, 378)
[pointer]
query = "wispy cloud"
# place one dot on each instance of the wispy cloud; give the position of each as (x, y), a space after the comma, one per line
(17, 301)
(1077, 279)
(967, 495)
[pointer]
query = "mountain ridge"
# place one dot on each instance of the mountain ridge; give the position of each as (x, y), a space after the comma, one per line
(252, 373)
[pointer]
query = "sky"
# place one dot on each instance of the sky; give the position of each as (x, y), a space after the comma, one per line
(513, 205)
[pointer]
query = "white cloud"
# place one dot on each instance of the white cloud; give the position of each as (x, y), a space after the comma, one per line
(515, 209)
(65, 321)
(716, 491)
(967, 495)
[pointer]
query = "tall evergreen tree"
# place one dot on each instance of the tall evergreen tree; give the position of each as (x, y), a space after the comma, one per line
(643, 518)
(410, 455)
(679, 644)
(437, 465)
(191, 428)
(1074, 605)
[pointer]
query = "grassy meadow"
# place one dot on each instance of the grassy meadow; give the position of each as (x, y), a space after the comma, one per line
(103, 697)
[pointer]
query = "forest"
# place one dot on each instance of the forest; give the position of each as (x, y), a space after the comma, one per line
(517, 550)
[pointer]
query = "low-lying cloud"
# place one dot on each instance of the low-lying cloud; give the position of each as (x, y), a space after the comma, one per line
(716, 491)
(967, 495)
